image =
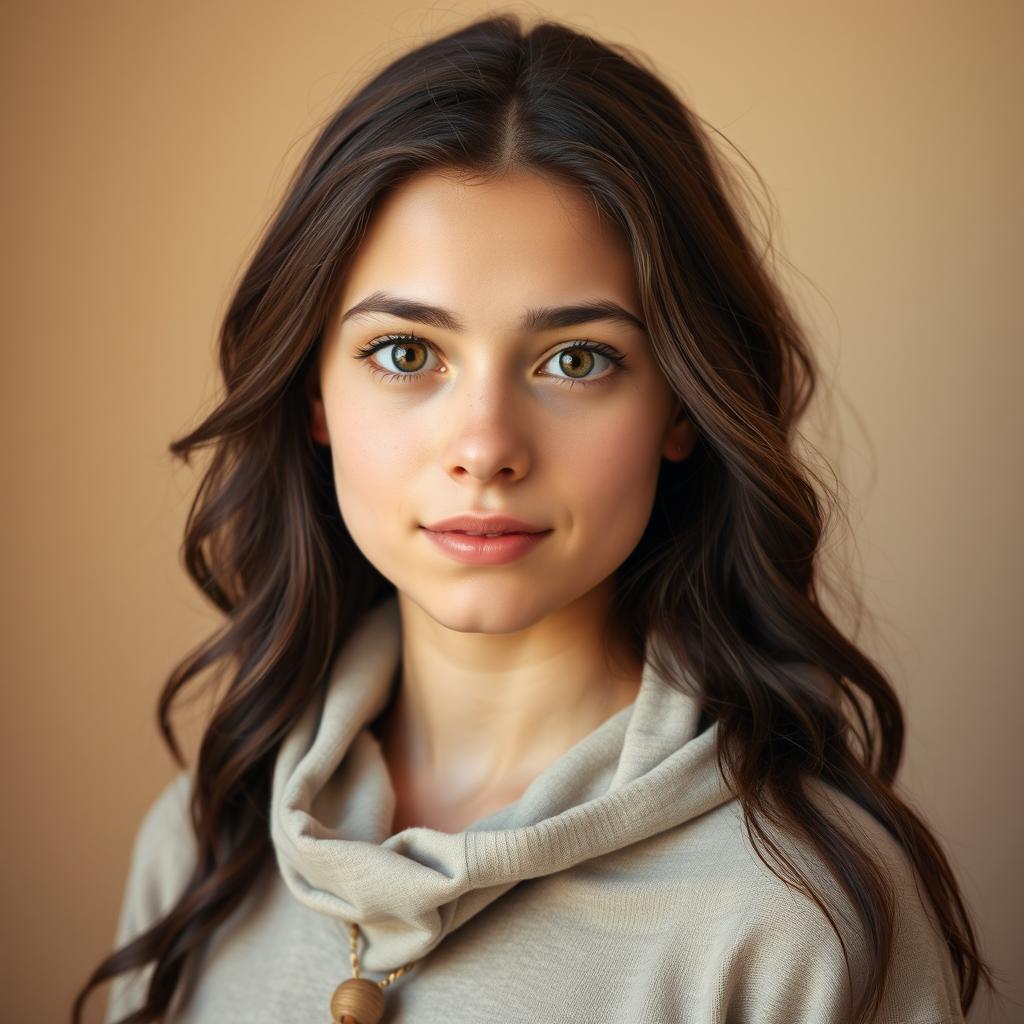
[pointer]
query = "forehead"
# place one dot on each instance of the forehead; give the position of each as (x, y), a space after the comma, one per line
(487, 249)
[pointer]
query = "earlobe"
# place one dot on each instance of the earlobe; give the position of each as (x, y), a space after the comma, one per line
(317, 417)
(680, 445)
(681, 437)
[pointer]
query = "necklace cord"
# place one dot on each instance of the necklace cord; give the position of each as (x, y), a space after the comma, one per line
(353, 933)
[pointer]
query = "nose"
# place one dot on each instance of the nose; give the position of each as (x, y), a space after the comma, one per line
(488, 436)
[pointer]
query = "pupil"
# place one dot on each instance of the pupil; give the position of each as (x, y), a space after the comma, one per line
(405, 353)
(575, 357)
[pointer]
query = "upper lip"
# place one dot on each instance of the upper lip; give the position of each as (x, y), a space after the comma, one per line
(484, 524)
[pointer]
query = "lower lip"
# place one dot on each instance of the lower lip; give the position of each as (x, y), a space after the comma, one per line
(485, 550)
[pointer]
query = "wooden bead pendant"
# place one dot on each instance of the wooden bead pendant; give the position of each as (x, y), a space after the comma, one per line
(357, 1001)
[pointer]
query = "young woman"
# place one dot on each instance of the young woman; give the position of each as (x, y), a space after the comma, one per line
(530, 708)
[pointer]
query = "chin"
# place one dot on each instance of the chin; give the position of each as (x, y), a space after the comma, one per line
(481, 609)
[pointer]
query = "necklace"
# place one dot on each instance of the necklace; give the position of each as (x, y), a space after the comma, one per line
(360, 1000)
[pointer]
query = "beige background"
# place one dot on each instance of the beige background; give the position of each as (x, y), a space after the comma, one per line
(145, 143)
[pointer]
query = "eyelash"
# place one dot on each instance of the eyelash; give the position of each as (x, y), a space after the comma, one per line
(391, 339)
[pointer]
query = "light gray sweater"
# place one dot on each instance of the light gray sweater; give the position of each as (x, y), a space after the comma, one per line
(621, 886)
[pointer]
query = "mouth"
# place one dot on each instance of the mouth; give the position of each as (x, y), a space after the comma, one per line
(485, 548)
(471, 525)
(500, 533)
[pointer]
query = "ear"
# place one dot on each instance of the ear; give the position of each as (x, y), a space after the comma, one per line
(317, 416)
(680, 436)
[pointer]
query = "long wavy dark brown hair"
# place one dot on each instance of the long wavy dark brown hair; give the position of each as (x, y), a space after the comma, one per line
(728, 567)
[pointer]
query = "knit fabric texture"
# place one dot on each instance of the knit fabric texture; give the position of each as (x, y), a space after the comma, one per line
(622, 885)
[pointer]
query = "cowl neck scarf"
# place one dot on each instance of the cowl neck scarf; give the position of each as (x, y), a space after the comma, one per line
(641, 771)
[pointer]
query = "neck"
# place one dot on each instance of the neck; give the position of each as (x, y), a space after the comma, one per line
(476, 716)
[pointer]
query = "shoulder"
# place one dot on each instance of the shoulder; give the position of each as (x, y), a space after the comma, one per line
(168, 809)
(770, 948)
(162, 858)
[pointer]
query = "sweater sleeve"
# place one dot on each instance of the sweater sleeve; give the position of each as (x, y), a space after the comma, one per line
(788, 965)
(162, 860)
(781, 961)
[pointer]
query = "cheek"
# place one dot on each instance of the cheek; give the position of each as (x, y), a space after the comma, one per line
(617, 448)
(612, 472)
(374, 457)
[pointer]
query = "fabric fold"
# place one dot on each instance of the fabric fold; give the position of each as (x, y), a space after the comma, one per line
(641, 771)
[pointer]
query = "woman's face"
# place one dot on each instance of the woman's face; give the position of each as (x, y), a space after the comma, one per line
(487, 410)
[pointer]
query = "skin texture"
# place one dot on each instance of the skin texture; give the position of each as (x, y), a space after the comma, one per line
(504, 667)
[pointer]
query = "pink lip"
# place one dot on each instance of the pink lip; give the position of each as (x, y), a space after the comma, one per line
(485, 550)
(483, 524)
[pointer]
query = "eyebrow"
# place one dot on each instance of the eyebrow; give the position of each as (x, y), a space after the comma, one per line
(543, 318)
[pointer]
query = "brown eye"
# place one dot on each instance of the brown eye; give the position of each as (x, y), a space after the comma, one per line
(405, 356)
(581, 363)
(577, 362)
